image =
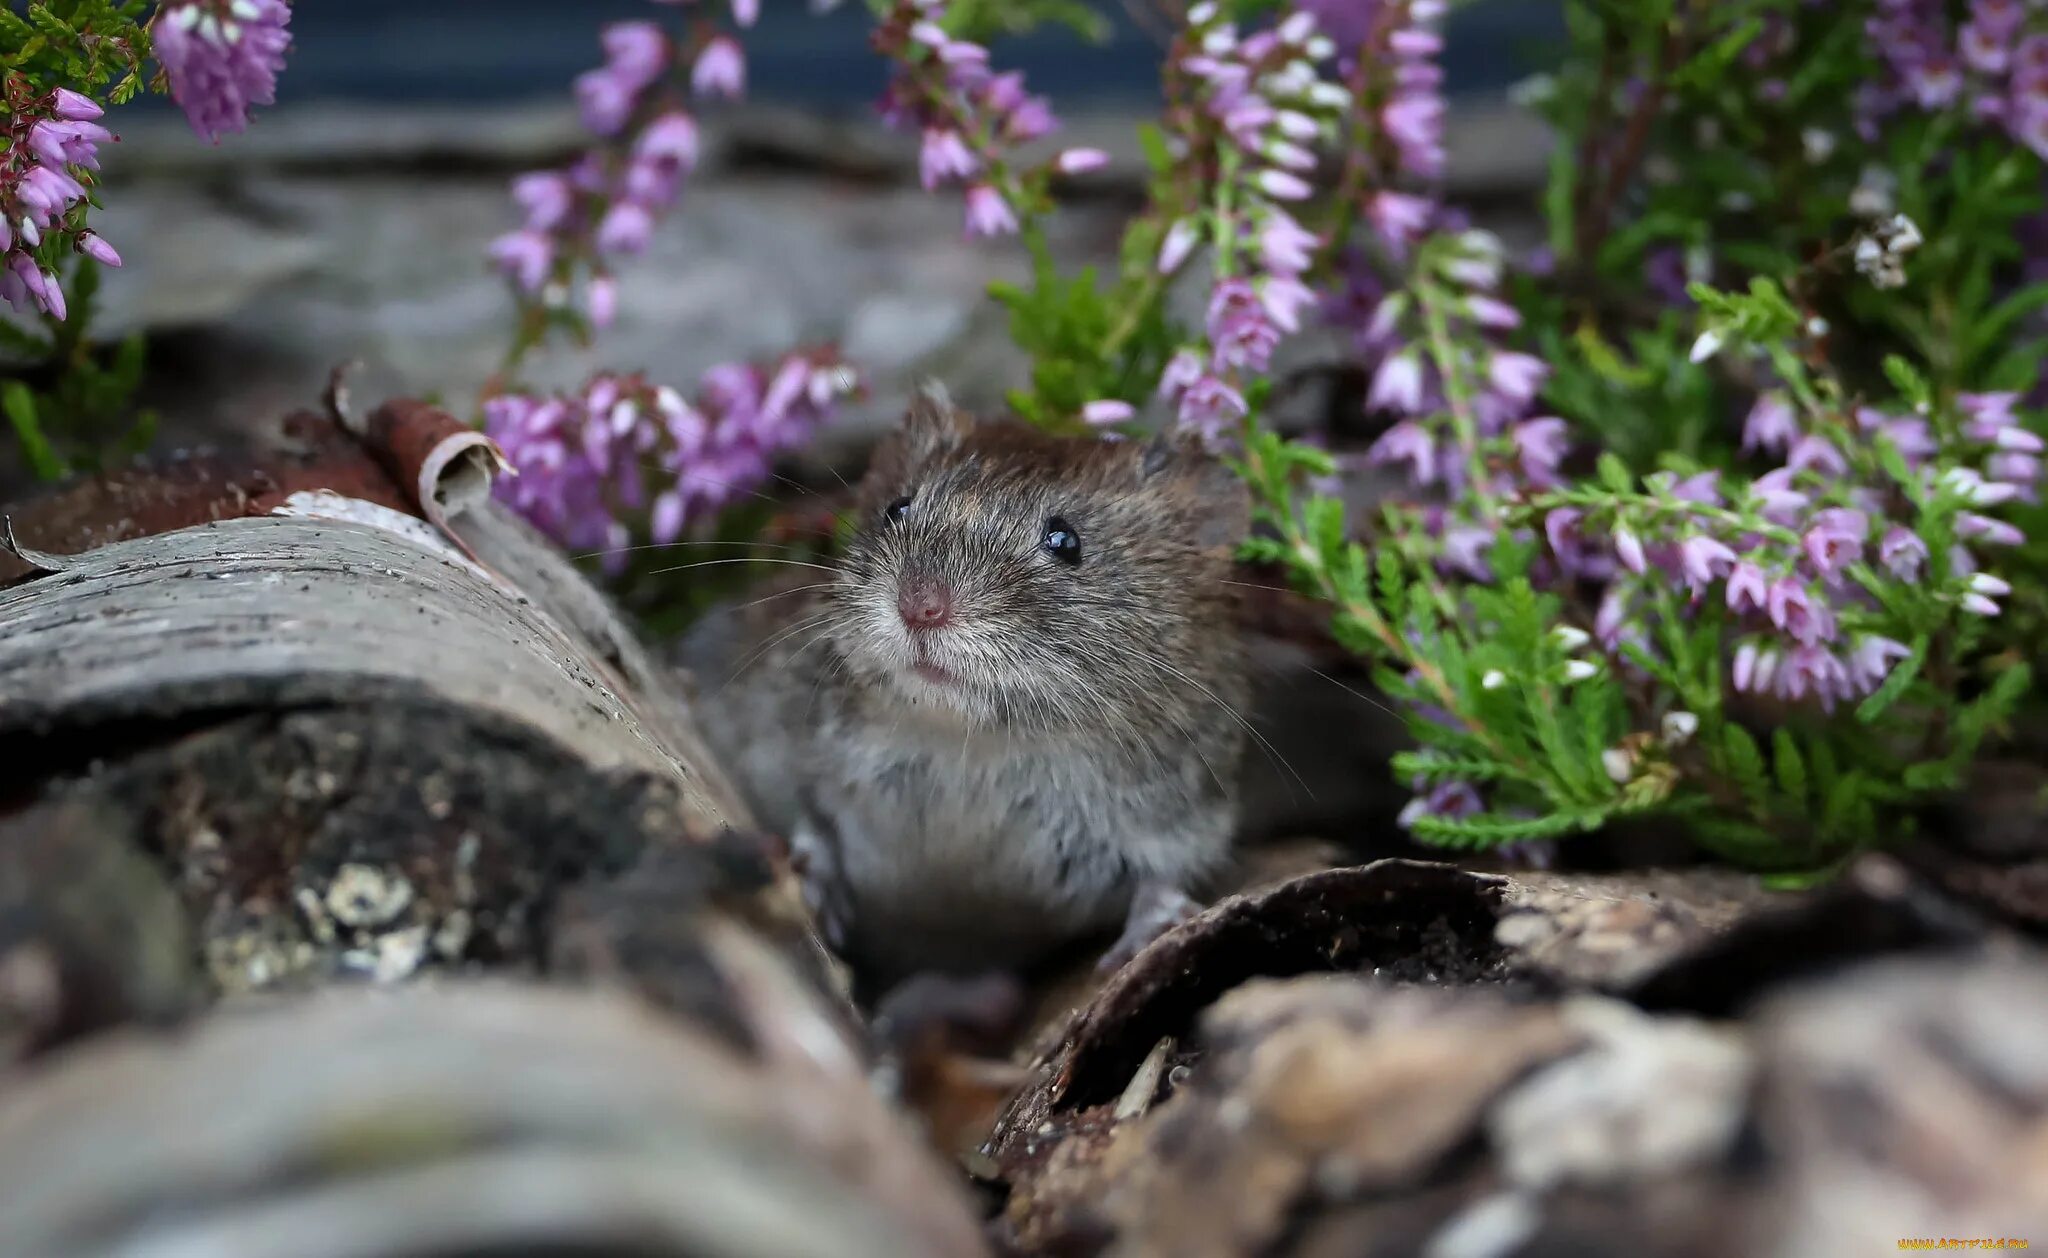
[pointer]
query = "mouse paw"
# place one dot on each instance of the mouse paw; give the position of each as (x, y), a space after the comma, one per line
(824, 887)
(1155, 909)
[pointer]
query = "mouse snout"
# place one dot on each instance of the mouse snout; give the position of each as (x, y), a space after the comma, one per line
(925, 602)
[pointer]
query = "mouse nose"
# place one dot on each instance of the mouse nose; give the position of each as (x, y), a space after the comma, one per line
(925, 603)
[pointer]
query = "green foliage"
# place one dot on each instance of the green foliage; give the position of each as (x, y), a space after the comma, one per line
(85, 416)
(1088, 341)
(95, 47)
(985, 20)
(80, 413)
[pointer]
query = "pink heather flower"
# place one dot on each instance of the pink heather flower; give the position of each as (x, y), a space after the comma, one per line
(1775, 496)
(1451, 799)
(1703, 559)
(1414, 121)
(1816, 452)
(545, 196)
(1080, 161)
(1812, 670)
(627, 227)
(60, 143)
(1540, 445)
(23, 283)
(653, 184)
(1748, 588)
(1464, 550)
(1561, 529)
(1032, 119)
(95, 247)
(1771, 426)
(1987, 411)
(2016, 469)
(1611, 618)
(605, 100)
(746, 12)
(1397, 385)
(70, 106)
(1977, 604)
(1517, 376)
(1902, 553)
(720, 70)
(1181, 372)
(49, 191)
(988, 213)
(1872, 659)
(1743, 673)
(666, 522)
(525, 256)
(671, 138)
(1285, 246)
(637, 52)
(1409, 442)
(1983, 51)
(222, 57)
(1795, 611)
(1284, 299)
(944, 156)
(1414, 43)
(1492, 312)
(1209, 405)
(1107, 411)
(1283, 185)
(1629, 550)
(1181, 239)
(2017, 439)
(1835, 540)
(1987, 530)
(1700, 487)
(603, 301)
(1398, 217)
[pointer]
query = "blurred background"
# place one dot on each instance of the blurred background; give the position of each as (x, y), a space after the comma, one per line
(352, 220)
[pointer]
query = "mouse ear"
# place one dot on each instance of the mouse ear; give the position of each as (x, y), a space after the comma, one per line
(933, 423)
(1218, 501)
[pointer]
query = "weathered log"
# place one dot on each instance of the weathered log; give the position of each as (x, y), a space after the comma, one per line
(1336, 1115)
(279, 752)
(264, 614)
(356, 751)
(91, 934)
(464, 1119)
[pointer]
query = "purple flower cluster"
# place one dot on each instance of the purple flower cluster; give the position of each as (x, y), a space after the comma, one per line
(1495, 435)
(608, 202)
(1515, 449)
(589, 460)
(969, 117)
(222, 57)
(1269, 103)
(1995, 64)
(1782, 550)
(49, 146)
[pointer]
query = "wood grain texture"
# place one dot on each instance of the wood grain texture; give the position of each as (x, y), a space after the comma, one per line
(273, 613)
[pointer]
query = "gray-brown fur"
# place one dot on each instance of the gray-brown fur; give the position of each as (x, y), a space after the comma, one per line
(1086, 743)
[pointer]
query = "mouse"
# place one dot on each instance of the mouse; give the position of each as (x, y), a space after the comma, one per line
(1008, 718)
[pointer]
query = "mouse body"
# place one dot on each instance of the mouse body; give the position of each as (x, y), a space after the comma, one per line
(1010, 717)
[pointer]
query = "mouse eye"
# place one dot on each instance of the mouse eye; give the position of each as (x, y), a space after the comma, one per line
(895, 511)
(1061, 542)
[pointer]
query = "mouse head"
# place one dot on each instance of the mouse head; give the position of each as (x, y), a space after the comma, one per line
(1026, 581)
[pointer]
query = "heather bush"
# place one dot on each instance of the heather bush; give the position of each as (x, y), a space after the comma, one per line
(1720, 505)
